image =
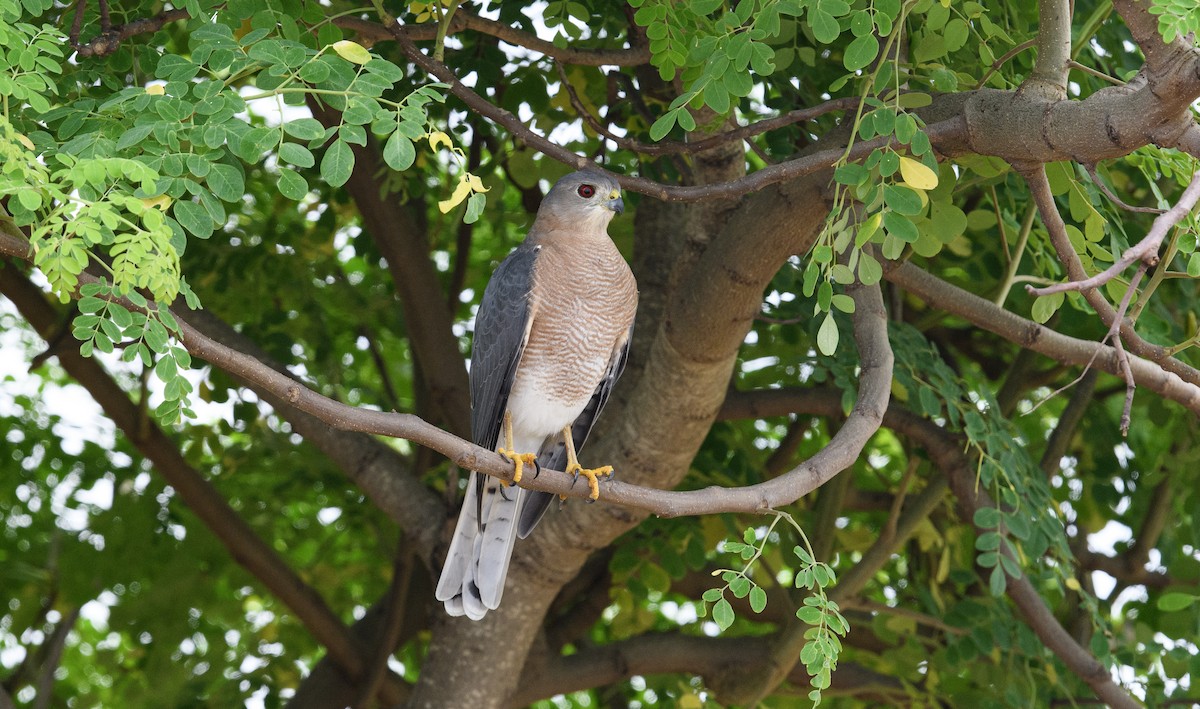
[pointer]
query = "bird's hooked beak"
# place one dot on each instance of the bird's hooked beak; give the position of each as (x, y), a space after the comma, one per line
(615, 202)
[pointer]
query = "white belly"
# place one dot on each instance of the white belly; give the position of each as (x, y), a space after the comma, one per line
(537, 413)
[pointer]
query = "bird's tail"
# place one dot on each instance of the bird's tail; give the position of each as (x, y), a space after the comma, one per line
(472, 580)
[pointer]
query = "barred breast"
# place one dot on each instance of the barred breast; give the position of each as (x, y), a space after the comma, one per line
(583, 303)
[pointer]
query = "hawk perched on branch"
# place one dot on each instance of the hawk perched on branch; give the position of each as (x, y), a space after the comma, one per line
(551, 337)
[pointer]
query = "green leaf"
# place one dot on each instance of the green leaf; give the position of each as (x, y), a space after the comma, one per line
(827, 336)
(758, 599)
(399, 152)
(296, 154)
(1175, 601)
(900, 226)
(91, 304)
(997, 581)
(955, 34)
(663, 125)
(193, 217)
(475, 204)
(902, 199)
(861, 52)
(740, 586)
(824, 27)
(292, 185)
(304, 128)
(226, 182)
(723, 614)
(870, 271)
(314, 72)
(338, 163)
(134, 135)
(1046, 306)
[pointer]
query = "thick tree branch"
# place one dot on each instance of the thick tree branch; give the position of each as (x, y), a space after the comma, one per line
(1144, 28)
(716, 659)
(246, 547)
(1049, 76)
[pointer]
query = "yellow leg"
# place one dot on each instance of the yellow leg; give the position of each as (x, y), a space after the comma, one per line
(576, 469)
(519, 460)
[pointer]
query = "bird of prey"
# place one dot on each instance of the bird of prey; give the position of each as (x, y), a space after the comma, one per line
(551, 337)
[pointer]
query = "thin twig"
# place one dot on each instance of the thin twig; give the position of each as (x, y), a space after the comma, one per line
(770, 175)
(1098, 74)
(1091, 171)
(1039, 190)
(1145, 250)
(105, 20)
(672, 147)
(1004, 59)
(77, 23)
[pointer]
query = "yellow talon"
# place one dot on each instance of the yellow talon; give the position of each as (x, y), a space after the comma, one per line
(592, 475)
(519, 461)
(574, 468)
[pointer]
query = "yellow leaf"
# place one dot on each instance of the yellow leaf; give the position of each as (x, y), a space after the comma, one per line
(1073, 584)
(436, 138)
(476, 183)
(160, 202)
(352, 52)
(460, 193)
(916, 175)
(25, 141)
(155, 90)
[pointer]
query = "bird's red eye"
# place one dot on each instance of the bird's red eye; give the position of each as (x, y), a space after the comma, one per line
(586, 191)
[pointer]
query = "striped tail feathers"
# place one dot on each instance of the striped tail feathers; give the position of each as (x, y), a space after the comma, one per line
(472, 580)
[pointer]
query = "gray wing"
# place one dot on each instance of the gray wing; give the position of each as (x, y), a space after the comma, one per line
(538, 502)
(472, 579)
(501, 326)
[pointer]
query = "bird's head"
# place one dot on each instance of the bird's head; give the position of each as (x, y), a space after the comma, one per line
(583, 198)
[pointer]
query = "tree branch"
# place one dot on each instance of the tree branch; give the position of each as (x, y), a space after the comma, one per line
(1145, 251)
(1039, 338)
(1144, 29)
(1049, 75)
(109, 39)
(243, 545)
(1039, 186)
(427, 316)
(463, 20)
(52, 657)
(715, 659)
(673, 147)
(874, 390)
(772, 174)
